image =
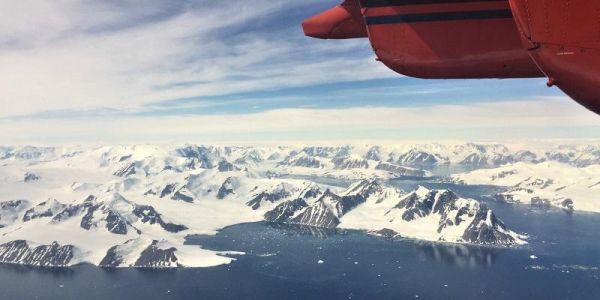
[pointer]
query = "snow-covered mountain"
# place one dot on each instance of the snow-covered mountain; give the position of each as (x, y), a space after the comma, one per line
(133, 206)
(317, 208)
(437, 215)
(543, 184)
(432, 156)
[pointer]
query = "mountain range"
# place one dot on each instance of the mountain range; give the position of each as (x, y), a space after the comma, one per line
(133, 206)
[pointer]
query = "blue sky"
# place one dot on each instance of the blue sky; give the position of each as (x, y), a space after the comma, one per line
(224, 70)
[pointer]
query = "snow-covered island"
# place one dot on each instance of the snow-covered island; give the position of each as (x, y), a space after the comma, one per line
(133, 206)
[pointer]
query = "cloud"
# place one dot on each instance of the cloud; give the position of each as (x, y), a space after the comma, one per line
(544, 118)
(58, 55)
(83, 71)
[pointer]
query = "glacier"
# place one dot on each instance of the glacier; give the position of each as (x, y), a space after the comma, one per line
(134, 205)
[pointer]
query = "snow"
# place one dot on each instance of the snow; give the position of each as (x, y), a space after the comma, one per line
(131, 249)
(71, 174)
(90, 172)
(193, 256)
(549, 180)
(375, 216)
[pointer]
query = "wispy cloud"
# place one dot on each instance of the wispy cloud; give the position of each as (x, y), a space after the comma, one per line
(59, 55)
(82, 71)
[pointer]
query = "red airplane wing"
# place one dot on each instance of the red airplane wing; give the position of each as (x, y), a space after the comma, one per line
(564, 40)
(477, 39)
(344, 21)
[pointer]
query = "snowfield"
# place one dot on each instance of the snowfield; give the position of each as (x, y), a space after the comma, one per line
(133, 206)
(548, 183)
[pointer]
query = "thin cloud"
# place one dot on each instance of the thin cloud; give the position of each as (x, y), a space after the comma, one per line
(528, 119)
(88, 54)
(82, 71)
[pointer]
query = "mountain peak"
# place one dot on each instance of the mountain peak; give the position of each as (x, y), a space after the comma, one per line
(365, 188)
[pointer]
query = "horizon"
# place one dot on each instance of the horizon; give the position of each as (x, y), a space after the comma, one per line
(71, 78)
(512, 144)
(277, 149)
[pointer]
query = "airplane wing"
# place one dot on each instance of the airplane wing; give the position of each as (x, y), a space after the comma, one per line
(444, 39)
(344, 21)
(563, 38)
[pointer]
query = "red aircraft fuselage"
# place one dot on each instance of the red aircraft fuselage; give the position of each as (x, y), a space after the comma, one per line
(450, 39)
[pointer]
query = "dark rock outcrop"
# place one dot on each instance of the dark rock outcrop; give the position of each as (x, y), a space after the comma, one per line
(53, 255)
(30, 177)
(179, 194)
(112, 259)
(284, 212)
(225, 166)
(151, 257)
(487, 229)
(374, 153)
(13, 205)
(567, 205)
(183, 195)
(541, 203)
(275, 194)
(226, 189)
(198, 157)
(45, 209)
(483, 227)
(115, 223)
(317, 215)
(364, 188)
(73, 210)
(10, 210)
(155, 257)
(148, 214)
(343, 163)
(415, 206)
(326, 211)
(126, 170)
(96, 213)
(167, 190)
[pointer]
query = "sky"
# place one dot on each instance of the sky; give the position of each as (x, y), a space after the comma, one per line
(236, 71)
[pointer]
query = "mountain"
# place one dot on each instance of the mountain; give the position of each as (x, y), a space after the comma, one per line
(457, 219)
(543, 184)
(401, 171)
(44, 209)
(350, 162)
(323, 209)
(22, 253)
(133, 206)
(141, 253)
(420, 159)
(437, 215)
(273, 194)
(10, 210)
(303, 160)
